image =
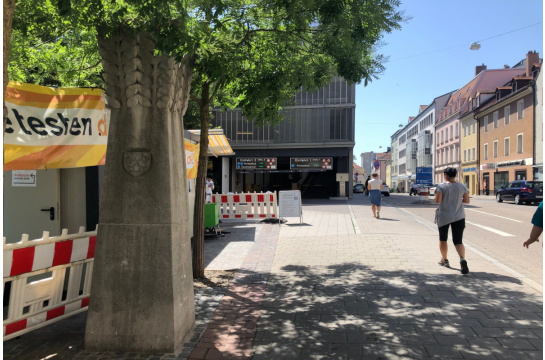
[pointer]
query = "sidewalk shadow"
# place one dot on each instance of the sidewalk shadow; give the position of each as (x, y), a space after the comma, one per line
(303, 224)
(306, 309)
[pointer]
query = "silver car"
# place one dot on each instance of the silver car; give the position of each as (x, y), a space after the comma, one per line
(385, 189)
(359, 188)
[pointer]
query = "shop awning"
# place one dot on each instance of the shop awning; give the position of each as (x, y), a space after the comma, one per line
(218, 144)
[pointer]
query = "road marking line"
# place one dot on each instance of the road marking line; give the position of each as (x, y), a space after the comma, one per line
(490, 229)
(470, 247)
(503, 217)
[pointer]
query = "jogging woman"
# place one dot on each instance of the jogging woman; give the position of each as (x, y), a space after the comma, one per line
(451, 197)
(375, 186)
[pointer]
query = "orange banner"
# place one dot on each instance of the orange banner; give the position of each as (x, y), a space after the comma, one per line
(54, 128)
(192, 159)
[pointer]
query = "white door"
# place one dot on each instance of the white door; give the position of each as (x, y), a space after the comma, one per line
(23, 207)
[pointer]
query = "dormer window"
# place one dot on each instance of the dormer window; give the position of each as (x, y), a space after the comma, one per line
(498, 95)
(478, 101)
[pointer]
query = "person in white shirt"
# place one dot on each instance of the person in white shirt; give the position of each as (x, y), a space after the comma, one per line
(209, 188)
(375, 195)
(413, 189)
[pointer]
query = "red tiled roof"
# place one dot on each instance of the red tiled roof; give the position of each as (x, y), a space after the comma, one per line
(485, 79)
(522, 78)
(493, 101)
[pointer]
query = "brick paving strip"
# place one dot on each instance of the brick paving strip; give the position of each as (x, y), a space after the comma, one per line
(231, 332)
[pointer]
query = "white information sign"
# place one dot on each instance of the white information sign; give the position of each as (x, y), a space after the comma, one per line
(290, 204)
(23, 178)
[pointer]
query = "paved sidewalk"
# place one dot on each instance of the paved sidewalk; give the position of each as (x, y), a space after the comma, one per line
(380, 295)
(321, 218)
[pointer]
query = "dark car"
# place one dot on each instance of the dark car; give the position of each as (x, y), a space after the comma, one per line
(358, 188)
(521, 191)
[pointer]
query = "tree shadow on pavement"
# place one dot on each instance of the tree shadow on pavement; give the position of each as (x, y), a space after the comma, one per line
(353, 311)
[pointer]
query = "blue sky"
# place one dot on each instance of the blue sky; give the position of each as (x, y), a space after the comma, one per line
(436, 25)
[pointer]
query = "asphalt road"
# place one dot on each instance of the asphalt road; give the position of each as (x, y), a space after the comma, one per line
(500, 228)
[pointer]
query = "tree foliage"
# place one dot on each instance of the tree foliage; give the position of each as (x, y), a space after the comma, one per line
(51, 50)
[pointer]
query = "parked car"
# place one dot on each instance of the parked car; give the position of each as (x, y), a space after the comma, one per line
(385, 189)
(432, 189)
(359, 188)
(521, 191)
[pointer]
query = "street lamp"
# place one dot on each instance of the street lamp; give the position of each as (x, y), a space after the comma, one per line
(475, 46)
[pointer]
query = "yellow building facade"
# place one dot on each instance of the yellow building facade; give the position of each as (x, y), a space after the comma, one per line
(469, 152)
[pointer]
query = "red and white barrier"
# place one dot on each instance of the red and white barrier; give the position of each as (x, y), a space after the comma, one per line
(247, 205)
(38, 301)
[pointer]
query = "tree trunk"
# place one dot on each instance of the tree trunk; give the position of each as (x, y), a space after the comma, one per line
(142, 298)
(9, 8)
(200, 187)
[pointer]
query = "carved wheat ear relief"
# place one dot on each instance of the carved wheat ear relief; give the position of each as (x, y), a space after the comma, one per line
(135, 77)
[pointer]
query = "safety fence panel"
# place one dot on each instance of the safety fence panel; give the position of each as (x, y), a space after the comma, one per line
(46, 280)
(247, 205)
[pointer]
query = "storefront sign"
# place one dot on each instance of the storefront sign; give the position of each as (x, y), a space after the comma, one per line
(469, 169)
(512, 163)
(251, 163)
(488, 166)
(23, 178)
(311, 163)
(54, 128)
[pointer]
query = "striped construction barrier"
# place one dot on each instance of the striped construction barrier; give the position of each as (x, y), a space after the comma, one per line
(247, 205)
(47, 279)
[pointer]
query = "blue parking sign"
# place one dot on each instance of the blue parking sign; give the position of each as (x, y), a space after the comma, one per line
(424, 175)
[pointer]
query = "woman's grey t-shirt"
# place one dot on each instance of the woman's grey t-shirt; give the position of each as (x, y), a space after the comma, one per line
(451, 208)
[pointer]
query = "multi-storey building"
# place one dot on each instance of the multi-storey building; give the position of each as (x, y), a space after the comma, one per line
(506, 130)
(447, 127)
(392, 180)
(414, 144)
(318, 124)
(469, 143)
(367, 159)
(537, 84)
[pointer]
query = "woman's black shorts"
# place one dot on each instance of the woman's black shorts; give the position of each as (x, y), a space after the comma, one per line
(457, 231)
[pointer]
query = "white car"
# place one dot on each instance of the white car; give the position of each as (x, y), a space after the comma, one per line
(432, 189)
(385, 189)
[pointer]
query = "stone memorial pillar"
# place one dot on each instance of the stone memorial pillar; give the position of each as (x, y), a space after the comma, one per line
(142, 288)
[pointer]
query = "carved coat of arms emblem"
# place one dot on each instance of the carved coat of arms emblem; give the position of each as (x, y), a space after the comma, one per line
(137, 162)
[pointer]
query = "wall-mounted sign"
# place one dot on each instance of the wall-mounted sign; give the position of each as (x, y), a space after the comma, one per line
(512, 163)
(323, 163)
(469, 169)
(23, 178)
(251, 163)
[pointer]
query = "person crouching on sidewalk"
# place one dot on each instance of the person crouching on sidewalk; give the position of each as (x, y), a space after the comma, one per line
(451, 197)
